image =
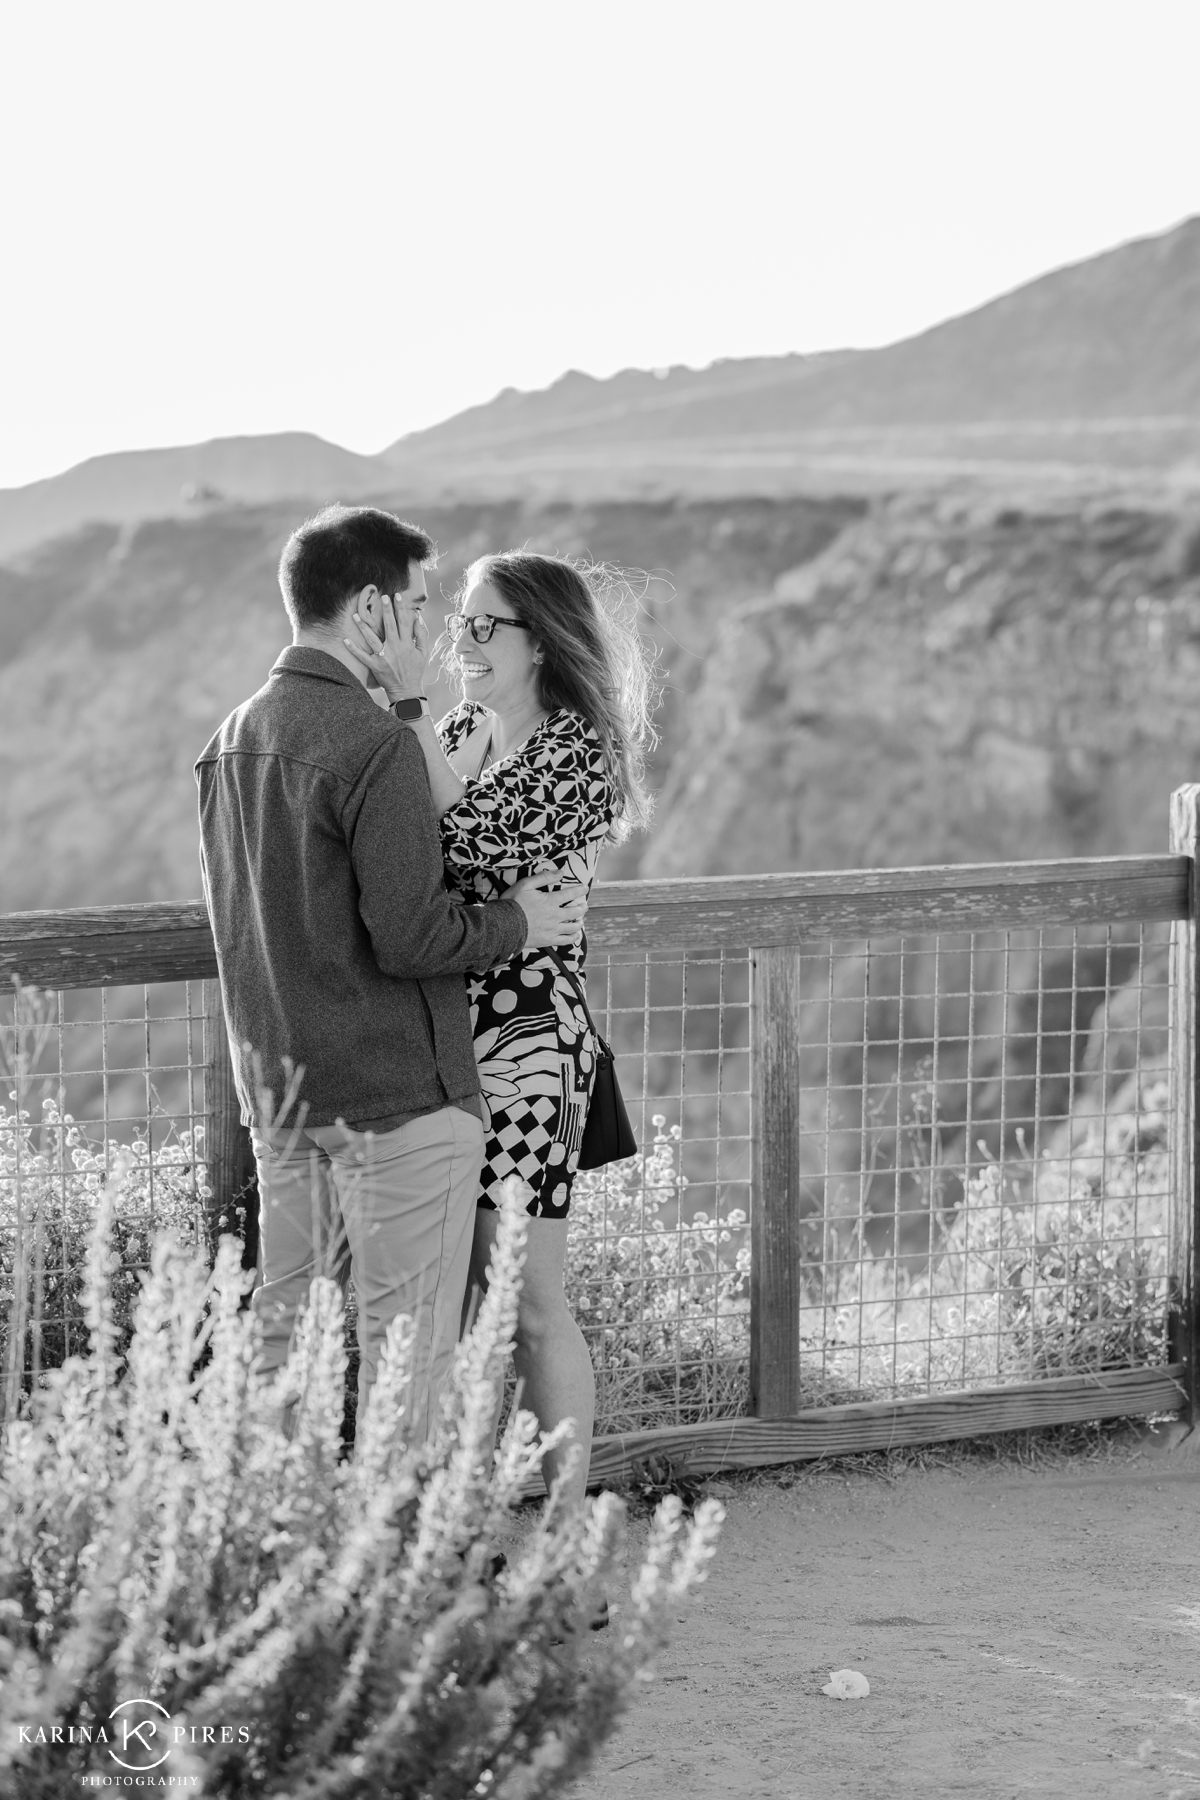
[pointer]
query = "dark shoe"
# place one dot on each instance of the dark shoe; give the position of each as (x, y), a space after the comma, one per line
(597, 1622)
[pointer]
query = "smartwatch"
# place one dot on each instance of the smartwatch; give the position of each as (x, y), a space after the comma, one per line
(409, 711)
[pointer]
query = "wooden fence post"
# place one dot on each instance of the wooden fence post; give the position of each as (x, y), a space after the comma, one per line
(775, 1195)
(229, 1153)
(1185, 1113)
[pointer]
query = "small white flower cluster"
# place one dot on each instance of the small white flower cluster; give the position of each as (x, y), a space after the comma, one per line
(173, 1524)
(663, 1298)
(1048, 1265)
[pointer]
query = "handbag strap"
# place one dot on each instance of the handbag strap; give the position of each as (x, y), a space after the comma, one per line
(581, 991)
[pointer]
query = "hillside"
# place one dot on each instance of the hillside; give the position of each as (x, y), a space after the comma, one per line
(1083, 375)
(1087, 377)
(155, 484)
(1115, 338)
(947, 683)
(649, 402)
(121, 650)
(913, 680)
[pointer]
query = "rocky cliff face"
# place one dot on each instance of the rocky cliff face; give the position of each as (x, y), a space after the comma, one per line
(913, 681)
(123, 648)
(947, 683)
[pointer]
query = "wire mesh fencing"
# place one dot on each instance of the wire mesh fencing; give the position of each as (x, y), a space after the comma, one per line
(985, 1156)
(99, 1081)
(984, 1193)
(659, 1248)
(983, 1198)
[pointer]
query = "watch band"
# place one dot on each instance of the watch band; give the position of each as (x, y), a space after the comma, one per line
(409, 711)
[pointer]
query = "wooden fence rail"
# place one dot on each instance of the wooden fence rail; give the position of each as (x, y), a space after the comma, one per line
(773, 914)
(170, 940)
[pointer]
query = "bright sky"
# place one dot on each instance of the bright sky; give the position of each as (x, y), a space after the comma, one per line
(357, 218)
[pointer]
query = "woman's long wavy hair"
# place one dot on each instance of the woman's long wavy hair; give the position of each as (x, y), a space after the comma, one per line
(583, 617)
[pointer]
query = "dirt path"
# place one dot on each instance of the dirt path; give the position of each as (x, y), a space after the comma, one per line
(1024, 1634)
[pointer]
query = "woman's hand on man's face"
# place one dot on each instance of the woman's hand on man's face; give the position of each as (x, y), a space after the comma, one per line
(398, 658)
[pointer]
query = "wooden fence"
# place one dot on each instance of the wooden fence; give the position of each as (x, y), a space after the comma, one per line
(774, 915)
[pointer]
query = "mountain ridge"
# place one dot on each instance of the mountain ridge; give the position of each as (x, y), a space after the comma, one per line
(720, 378)
(128, 486)
(1102, 357)
(1112, 331)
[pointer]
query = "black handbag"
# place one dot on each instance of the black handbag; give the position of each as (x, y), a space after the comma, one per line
(607, 1134)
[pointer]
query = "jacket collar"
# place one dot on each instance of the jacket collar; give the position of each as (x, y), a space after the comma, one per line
(302, 659)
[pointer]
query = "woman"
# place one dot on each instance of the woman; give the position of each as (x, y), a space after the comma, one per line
(536, 769)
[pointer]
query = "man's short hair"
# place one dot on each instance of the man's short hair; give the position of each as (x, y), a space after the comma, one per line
(340, 551)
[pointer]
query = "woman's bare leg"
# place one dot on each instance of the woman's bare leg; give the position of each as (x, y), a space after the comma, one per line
(551, 1357)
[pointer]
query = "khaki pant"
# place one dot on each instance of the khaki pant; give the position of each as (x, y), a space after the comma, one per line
(396, 1212)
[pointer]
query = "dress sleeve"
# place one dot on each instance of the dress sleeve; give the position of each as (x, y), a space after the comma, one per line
(534, 809)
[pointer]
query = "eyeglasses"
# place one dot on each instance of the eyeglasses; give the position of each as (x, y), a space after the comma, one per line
(480, 625)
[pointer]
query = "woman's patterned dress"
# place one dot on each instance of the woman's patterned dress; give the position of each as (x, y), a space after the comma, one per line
(547, 806)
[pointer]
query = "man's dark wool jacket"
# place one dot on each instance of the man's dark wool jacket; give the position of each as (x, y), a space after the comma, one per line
(339, 946)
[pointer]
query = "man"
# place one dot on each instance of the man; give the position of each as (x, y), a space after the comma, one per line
(341, 958)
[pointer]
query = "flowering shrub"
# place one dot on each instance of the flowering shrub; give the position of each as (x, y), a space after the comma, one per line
(1042, 1268)
(1092, 1283)
(663, 1300)
(1046, 1267)
(52, 1179)
(338, 1626)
